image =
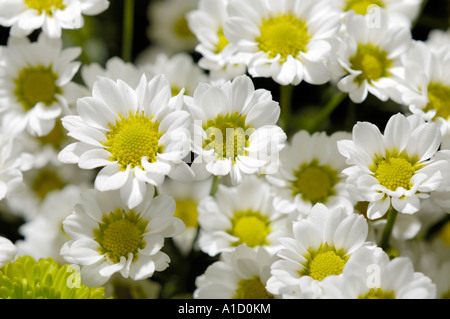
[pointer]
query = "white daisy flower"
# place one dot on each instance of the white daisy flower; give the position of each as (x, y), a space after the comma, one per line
(375, 276)
(235, 132)
(371, 58)
(137, 136)
(37, 87)
(402, 12)
(43, 235)
(8, 251)
(52, 16)
(310, 173)
(438, 40)
(241, 215)
(168, 27)
(187, 195)
(107, 237)
(322, 246)
(240, 274)
(398, 168)
(219, 57)
(288, 41)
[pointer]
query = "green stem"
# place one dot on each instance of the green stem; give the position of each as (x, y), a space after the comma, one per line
(214, 185)
(392, 216)
(326, 111)
(286, 105)
(127, 35)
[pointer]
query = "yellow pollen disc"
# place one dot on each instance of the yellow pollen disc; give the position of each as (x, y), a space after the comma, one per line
(362, 6)
(395, 172)
(252, 288)
(251, 228)
(323, 262)
(45, 182)
(439, 100)
(444, 234)
(314, 182)
(120, 234)
(132, 138)
(378, 293)
(372, 61)
(36, 84)
(181, 29)
(223, 41)
(186, 210)
(228, 136)
(286, 35)
(47, 6)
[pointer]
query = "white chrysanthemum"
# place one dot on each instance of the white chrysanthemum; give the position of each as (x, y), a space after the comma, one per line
(180, 69)
(137, 136)
(288, 41)
(219, 57)
(52, 16)
(168, 26)
(43, 235)
(235, 131)
(310, 173)
(375, 276)
(371, 57)
(439, 40)
(115, 69)
(402, 12)
(187, 195)
(398, 168)
(241, 215)
(240, 274)
(107, 237)
(36, 83)
(8, 251)
(322, 246)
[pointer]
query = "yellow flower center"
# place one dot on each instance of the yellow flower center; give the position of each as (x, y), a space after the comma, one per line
(132, 138)
(120, 233)
(323, 262)
(36, 84)
(372, 61)
(284, 35)
(444, 234)
(186, 210)
(181, 29)
(378, 293)
(362, 6)
(47, 6)
(251, 228)
(314, 182)
(252, 288)
(45, 182)
(222, 43)
(439, 100)
(394, 171)
(227, 135)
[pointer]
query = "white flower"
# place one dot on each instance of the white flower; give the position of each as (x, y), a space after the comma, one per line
(108, 238)
(323, 245)
(8, 251)
(168, 27)
(43, 235)
(241, 215)
(52, 16)
(187, 195)
(439, 40)
(37, 87)
(235, 131)
(371, 57)
(218, 55)
(402, 12)
(375, 276)
(240, 274)
(137, 136)
(288, 41)
(398, 168)
(310, 173)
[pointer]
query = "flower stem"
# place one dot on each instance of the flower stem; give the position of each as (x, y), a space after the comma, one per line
(326, 111)
(214, 185)
(127, 35)
(286, 106)
(392, 215)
